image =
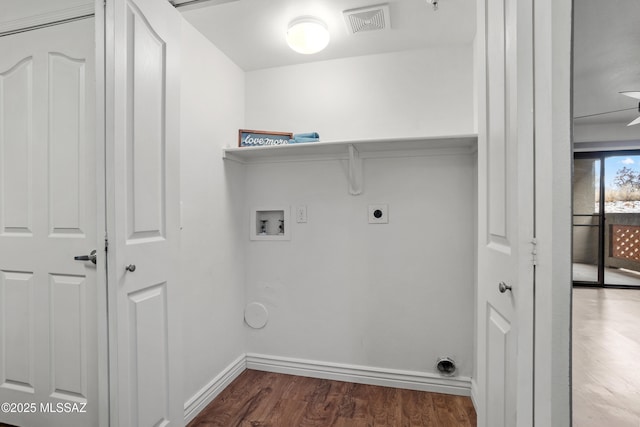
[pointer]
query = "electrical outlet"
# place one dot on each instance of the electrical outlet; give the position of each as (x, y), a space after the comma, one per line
(378, 214)
(301, 214)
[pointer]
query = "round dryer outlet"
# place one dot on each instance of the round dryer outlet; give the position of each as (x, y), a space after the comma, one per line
(446, 366)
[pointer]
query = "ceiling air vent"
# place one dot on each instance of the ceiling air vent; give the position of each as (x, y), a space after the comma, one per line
(371, 18)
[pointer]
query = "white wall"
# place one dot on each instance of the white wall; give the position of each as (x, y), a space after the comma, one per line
(613, 132)
(401, 94)
(394, 296)
(211, 193)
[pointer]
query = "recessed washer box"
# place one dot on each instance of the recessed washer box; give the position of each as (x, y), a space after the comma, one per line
(270, 223)
(378, 214)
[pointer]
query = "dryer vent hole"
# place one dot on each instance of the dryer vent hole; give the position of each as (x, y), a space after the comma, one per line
(446, 366)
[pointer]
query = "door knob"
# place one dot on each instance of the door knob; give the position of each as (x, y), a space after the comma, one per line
(131, 268)
(503, 287)
(91, 257)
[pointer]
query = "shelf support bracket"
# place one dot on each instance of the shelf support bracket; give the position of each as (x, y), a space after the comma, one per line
(355, 171)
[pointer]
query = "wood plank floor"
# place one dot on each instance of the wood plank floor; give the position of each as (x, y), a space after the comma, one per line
(606, 357)
(265, 399)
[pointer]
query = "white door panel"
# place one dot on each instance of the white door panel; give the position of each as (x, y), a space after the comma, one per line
(48, 328)
(505, 167)
(16, 101)
(142, 170)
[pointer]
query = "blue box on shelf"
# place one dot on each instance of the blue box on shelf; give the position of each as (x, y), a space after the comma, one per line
(259, 138)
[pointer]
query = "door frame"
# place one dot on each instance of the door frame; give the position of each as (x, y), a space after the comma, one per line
(553, 159)
(104, 401)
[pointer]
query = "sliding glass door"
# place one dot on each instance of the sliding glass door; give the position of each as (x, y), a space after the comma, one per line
(587, 220)
(606, 219)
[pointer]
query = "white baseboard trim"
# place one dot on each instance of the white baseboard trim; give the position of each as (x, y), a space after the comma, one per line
(412, 380)
(206, 394)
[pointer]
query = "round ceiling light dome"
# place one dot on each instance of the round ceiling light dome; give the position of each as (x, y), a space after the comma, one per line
(307, 35)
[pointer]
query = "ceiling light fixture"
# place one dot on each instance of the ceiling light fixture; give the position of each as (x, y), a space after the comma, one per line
(434, 3)
(307, 35)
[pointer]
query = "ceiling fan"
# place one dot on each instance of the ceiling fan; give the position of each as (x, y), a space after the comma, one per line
(635, 95)
(631, 94)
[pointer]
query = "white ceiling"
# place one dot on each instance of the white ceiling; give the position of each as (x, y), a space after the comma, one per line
(252, 32)
(606, 59)
(606, 49)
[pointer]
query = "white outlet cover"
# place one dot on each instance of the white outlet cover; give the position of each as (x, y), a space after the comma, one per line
(301, 214)
(378, 214)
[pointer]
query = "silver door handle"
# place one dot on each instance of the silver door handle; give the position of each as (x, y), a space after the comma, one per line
(91, 257)
(503, 287)
(131, 268)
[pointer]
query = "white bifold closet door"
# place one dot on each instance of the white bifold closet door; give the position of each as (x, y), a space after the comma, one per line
(48, 300)
(143, 136)
(504, 377)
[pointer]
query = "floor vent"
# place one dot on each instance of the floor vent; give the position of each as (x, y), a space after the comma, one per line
(371, 18)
